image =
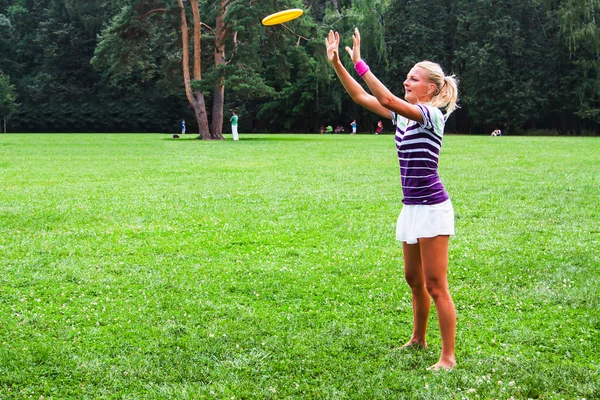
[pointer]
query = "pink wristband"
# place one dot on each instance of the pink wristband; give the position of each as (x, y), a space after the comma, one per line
(361, 68)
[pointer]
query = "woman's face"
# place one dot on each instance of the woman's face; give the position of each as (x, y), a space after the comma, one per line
(417, 88)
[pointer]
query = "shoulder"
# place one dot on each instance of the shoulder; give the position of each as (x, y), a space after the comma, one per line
(432, 118)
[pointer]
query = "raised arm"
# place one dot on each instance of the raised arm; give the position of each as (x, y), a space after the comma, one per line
(383, 95)
(354, 89)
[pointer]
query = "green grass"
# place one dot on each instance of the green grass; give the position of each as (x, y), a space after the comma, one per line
(137, 266)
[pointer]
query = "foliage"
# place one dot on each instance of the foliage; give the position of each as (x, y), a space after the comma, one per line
(8, 99)
(521, 65)
(416, 31)
(147, 47)
(497, 61)
(580, 28)
(5, 36)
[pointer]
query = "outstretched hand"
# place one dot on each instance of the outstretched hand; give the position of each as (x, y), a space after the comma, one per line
(354, 52)
(332, 42)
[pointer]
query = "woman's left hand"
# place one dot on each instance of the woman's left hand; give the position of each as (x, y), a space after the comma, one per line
(355, 51)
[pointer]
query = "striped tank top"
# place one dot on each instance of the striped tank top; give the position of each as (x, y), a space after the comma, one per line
(418, 148)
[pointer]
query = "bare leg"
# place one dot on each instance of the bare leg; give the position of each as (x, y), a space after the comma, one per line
(421, 302)
(434, 256)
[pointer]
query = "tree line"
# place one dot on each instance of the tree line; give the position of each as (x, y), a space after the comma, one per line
(144, 65)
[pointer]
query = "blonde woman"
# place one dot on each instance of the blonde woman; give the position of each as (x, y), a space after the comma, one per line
(426, 220)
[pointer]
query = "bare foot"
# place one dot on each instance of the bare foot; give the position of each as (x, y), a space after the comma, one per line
(414, 344)
(447, 365)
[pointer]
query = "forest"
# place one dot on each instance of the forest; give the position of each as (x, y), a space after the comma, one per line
(144, 65)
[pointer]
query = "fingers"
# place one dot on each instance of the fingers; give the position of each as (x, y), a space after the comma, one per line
(333, 41)
(333, 38)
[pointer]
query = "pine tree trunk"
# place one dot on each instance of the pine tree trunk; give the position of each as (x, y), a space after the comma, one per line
(196, 99)
(201, 117)
(216, 128)
(201, 114)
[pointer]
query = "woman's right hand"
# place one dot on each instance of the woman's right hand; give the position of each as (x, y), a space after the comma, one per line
(332, 42)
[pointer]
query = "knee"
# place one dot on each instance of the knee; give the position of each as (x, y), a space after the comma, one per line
(436, 288)
(414, 280)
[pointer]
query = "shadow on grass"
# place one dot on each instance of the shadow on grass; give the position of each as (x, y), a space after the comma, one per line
(247, 139)
(287, 139)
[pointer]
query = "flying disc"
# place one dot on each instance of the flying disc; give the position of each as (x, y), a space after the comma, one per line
(282, 17)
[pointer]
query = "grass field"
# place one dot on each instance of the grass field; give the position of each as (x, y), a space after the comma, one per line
(137, 266)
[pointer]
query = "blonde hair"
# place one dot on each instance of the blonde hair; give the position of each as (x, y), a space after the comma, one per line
(446, 93)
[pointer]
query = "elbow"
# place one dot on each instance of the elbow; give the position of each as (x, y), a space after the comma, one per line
(386, 101)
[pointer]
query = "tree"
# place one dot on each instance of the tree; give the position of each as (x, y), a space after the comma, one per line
(138, 39)
(497, 58)
(580, 28)
(8, 105)
(521, 64)
(5, 42)
(121, 47)
(426, 34)
(196, 96)
(333, 103)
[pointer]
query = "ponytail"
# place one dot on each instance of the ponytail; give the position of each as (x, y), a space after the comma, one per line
(447, 95)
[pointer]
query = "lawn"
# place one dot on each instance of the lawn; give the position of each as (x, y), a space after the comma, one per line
(138, 266)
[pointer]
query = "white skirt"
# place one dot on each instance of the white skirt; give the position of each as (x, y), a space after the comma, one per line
(425, 221)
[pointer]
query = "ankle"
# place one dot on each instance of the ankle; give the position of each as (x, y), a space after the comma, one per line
(418, 339)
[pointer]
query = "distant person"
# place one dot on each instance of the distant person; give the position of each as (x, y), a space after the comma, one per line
(329, 129)
(353, 125)
(234, 125)
(426, 221)
(497, 132)
(322, 129)
(379, 128)
(339, 129)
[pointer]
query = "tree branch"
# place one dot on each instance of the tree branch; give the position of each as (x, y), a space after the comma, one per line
(233, 51)
(149, 13)
(299, 36)
(209, 28)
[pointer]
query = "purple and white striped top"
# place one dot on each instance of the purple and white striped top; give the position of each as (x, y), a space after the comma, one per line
(418, 153)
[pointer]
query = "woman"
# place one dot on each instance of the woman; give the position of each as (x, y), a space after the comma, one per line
(427, 218)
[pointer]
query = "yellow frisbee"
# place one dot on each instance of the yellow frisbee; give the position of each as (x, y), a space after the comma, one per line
(282, 17)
